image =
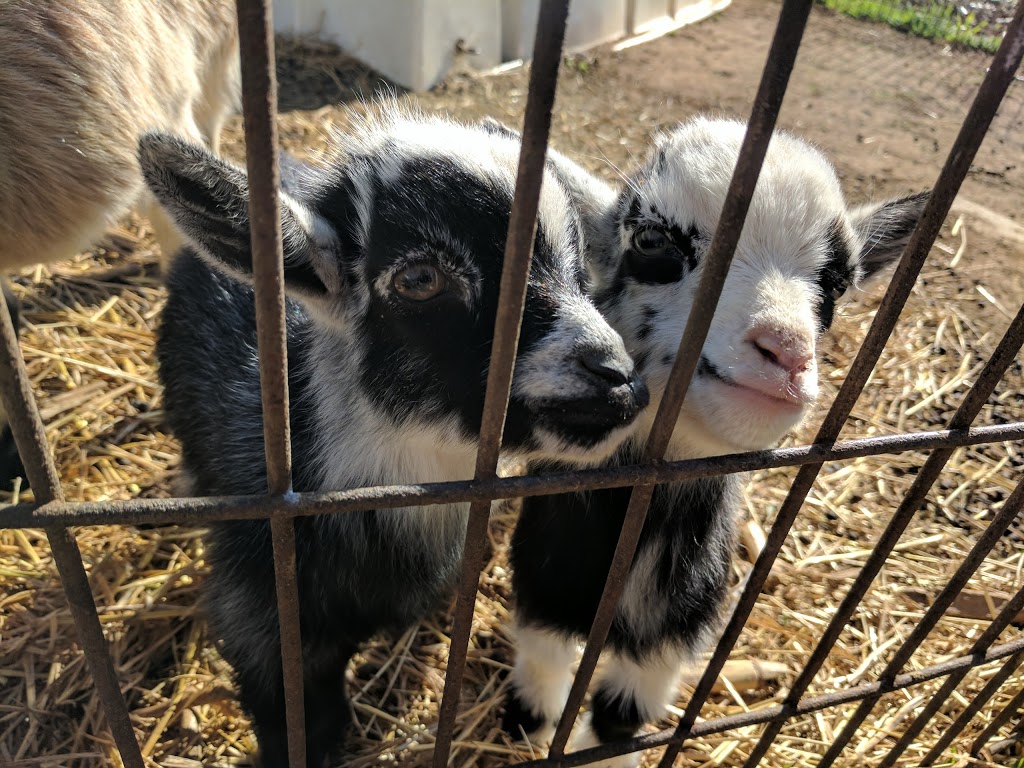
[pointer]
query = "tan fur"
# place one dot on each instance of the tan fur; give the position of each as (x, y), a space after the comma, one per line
(80, 81)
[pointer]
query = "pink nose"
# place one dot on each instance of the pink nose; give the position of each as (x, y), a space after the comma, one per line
(787, 350)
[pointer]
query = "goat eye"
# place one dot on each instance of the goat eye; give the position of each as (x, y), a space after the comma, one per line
(650, 243)
(653, 258)
(419, 282)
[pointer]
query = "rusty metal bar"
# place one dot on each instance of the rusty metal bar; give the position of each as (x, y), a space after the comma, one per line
(547, 54)
(958, 162)
(979, 701)
(1002, 521)
(259, 103)
(978, 649)
(767, 102)
(30, 437)
(767, 714)
(970, 407)
(997, 722)
(201, 510)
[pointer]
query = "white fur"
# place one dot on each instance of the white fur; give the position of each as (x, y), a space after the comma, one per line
(542, 676)
(649, 683)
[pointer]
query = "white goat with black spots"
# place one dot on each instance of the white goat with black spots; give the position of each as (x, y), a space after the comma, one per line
(801, 251)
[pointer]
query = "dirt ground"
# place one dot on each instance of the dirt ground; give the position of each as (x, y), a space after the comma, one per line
(883, 106)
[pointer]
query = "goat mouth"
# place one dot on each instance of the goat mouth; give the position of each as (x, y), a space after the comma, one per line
(755, 396)
(589, 420)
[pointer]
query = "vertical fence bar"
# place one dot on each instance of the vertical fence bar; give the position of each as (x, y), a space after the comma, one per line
(547, 53)
(979, 701)
(30, 437)
(971, 406)
(1007, 614)
(259, 103)
(1000, 523)
(958, 162)
(997, 722)
(767, 102)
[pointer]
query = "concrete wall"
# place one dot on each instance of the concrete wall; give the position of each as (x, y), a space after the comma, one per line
(413, 42)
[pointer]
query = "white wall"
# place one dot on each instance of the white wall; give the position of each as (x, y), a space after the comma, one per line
(409, 41)
(412, 42)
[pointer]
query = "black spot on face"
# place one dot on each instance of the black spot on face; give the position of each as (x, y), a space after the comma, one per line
(835, 277)
(631, 216)
(660, 161)
(670, 262)
(644, 331)
(686, 243)
(640, 358)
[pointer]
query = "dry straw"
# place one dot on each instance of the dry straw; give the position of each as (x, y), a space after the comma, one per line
(88, 342)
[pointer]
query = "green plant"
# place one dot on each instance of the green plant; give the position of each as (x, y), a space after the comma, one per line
(937, 21)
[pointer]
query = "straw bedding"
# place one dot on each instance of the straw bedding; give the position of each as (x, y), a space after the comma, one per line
(88, 342)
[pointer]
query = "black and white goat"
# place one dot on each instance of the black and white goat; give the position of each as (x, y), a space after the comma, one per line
(393, 255)
(800, 252)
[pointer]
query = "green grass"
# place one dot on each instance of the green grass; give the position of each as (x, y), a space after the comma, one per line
(937, 21)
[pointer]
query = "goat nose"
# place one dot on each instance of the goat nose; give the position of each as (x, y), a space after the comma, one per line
(786, 350)
(606, 367)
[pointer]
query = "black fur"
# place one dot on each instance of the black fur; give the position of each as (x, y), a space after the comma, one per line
(414, 364)
(690, 528)
(836, 276)
(10, 460)
(689, 525)
(518, 718)
(614, 719)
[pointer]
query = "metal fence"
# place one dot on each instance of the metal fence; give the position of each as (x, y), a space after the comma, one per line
(52, 513)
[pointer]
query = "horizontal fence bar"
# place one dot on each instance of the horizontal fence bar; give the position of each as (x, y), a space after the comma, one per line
(547, 54)
(200, 510)
(767, 102)
(259, 105)
(952, 175)
(807, 705)
(977, 703)
(30, 438)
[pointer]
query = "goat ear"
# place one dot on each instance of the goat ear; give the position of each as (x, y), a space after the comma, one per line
(209, 201)
(885, 229)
